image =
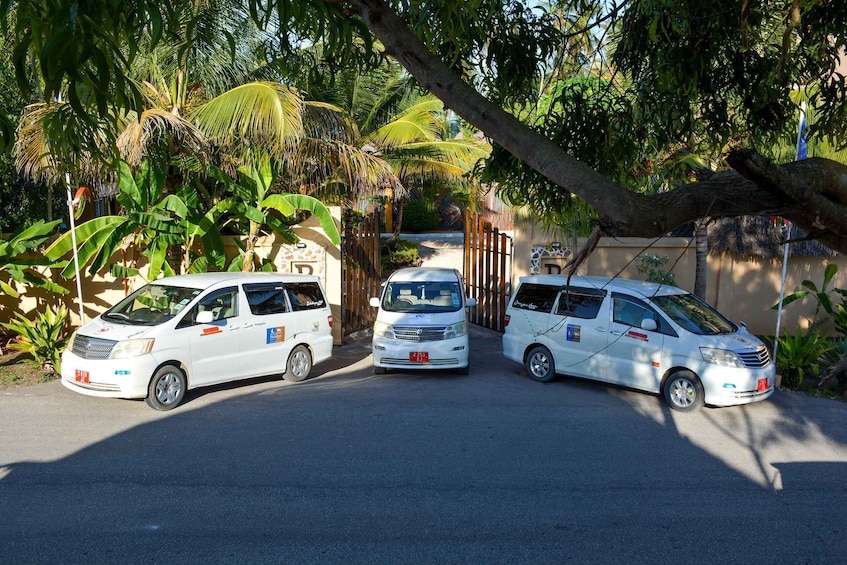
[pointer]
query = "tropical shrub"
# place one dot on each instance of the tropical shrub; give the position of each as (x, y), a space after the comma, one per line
(398, 253)
(44, 338)
(652, 268)
(420, 216)
(798, 355)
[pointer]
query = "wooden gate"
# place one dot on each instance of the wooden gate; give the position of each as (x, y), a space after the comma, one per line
(488, 271)
(360, 272)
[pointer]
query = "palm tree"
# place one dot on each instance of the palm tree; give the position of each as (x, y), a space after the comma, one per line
(412, 133)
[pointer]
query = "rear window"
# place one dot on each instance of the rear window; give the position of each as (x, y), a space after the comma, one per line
(305, 296)
(266, 298)
(580, 303)
(536, 297)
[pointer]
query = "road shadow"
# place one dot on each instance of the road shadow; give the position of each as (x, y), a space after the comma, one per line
(353, 467)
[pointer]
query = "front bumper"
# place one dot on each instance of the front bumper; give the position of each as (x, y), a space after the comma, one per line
(111, 378)
(398, 354)
(733, 387)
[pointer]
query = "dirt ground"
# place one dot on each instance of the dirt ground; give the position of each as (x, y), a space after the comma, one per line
(16, 372)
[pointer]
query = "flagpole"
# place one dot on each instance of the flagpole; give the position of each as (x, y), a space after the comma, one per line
(800, 153)
(71, 205)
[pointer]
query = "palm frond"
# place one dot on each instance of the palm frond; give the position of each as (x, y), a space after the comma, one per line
(322, 120)
(154, 127)
(418, 123)
(317, 162)
(259, 114)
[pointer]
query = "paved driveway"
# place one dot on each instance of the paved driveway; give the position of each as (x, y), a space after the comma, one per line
(351, 467)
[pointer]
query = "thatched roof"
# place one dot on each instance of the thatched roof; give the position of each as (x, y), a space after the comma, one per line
(760, 236)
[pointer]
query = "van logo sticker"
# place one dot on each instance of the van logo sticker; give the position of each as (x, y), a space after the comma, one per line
(211, 331)
(275, 335)
(573, 333)
(636, 335)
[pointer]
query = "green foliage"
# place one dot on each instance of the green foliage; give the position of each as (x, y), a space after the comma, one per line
(44, 338)
(398, 253)
(653, 269)
(836, 311)
(19, 258)
(798, 355)
(420, 216)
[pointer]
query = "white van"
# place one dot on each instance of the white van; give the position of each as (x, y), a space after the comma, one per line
(422, 322)
(188, 331)
(637, 334)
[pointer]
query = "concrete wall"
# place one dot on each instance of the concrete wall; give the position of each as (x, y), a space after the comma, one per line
(742, 288)
(314, 254)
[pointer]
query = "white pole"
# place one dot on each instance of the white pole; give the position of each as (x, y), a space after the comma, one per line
(782, 288)
(76, 256)
(800, 153)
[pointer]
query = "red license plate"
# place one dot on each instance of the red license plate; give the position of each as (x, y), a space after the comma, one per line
(81, 376)
(762, 385)
(418, 357)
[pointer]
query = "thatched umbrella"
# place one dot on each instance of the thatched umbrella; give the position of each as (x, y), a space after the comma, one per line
(760, 236)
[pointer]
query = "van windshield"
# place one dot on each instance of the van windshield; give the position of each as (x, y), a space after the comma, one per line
(694, 315)
(419, 297)
(151, 305)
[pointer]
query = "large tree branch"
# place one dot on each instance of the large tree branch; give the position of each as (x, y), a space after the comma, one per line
(811, 193)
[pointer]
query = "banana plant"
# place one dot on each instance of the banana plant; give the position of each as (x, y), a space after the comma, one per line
(254, 205)
(838, 312)
(19, 259)
(152, 224)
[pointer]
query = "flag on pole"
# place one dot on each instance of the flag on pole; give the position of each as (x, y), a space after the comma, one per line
(801, 135)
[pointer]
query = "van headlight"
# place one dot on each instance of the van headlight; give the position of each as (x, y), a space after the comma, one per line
(456, 330)
(132, 348)
(721, 357)
(381, 329)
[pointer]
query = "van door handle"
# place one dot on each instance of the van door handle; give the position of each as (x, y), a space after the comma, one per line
(615, 332)
(601, 330)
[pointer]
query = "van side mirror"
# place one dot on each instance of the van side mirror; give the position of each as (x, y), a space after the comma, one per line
(649, 324)
(470, 302)
(205, 317)
(374, 301)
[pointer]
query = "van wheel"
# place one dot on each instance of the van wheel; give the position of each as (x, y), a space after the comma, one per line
(299, 364)
(683, 391)
(463, 370)
(380, 370)
(166, 389)
(539, 364)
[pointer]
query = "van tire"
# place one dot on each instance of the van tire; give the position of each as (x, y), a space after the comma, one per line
(380, 370)
(683, 391)
(540, 365)
(299, 364)
(463, 370)
(166, 389)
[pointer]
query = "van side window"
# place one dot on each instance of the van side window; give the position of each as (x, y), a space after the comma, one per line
(536, 297)
(305, 296)
(580, 302)
(630, 311)
(266, 298)
(222, 303)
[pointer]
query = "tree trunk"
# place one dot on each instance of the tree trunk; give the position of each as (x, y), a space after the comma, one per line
(250, 248)
(701, 245)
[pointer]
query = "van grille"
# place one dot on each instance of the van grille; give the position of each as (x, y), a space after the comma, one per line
(422, 333)
(756, 358)
(91, 347)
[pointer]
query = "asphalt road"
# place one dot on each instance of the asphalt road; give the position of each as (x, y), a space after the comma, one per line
(351, 467)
